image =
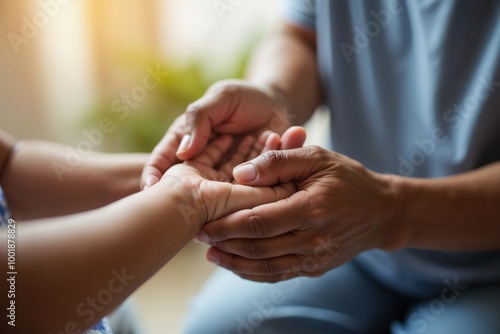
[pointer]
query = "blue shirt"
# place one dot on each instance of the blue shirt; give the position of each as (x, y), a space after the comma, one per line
(413, 88)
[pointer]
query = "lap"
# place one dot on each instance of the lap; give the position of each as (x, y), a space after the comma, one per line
(344, 300)
(474, 310)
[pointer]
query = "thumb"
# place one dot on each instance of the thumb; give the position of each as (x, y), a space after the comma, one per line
(197, 131)
(275, 167)
(201, 117)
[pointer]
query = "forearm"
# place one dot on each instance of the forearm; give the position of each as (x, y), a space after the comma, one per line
(286, 63)
(42, 179)
(69, 265)
(458, 213)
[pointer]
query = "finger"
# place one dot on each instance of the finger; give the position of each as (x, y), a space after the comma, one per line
(266, 267)
(273, 142)
(200, 119)
(275, 167)
(263, 248)
(257, 147)
(272, 278)
(214, 151)
(162, 157)
(239, 156)
(294, 137)
(264, 221)
(242, 197)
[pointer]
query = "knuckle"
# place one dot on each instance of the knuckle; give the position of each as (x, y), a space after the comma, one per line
(269, 267)
(192, 109)
(225, 88)
(257, 226)
(318, 154)
(316, 151)
(319, 207)
(274, 159)
(318, 213)
(177, 125)
(254, 249)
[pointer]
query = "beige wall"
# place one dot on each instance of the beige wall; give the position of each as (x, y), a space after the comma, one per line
(79, 54)
(20, 95)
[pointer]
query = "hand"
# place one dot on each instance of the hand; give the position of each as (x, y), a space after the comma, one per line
(339, 210)
(228, 107)
(208, 189)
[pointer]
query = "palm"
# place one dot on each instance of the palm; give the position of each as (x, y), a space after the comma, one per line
(208, 179)
(207, 166)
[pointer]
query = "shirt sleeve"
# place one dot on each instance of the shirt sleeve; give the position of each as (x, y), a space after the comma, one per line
(299, 12)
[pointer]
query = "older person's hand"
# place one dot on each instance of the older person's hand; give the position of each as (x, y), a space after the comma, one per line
(340, 210)
(228, 107)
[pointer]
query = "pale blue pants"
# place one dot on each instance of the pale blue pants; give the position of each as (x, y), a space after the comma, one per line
(345, 300)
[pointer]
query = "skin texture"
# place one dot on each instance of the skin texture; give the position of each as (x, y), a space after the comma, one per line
(33, 189)
(342, 209)
(339, 202)
(276, 95)
(67, 264)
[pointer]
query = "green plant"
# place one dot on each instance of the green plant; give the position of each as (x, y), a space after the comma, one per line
(145, 124)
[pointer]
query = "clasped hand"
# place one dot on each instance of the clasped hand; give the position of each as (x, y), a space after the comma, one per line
(207, 182)
(322, 210)
(340, 210)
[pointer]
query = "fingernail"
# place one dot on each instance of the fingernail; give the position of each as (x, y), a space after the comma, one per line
(202, 237)
(184, 144)
(149, 181)
(246, 172)
(213, 258)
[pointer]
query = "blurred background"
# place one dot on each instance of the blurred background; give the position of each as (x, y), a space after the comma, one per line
(65, 65)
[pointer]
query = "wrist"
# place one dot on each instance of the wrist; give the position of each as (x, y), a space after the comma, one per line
(276, 94)
(395, 233)
(183, 196)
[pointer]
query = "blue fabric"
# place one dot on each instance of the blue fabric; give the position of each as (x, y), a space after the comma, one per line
(345, 300)
(103, 326)
(414, 89)
(4, 210)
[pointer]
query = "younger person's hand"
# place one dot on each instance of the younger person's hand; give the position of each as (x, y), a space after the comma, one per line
(206, 180)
